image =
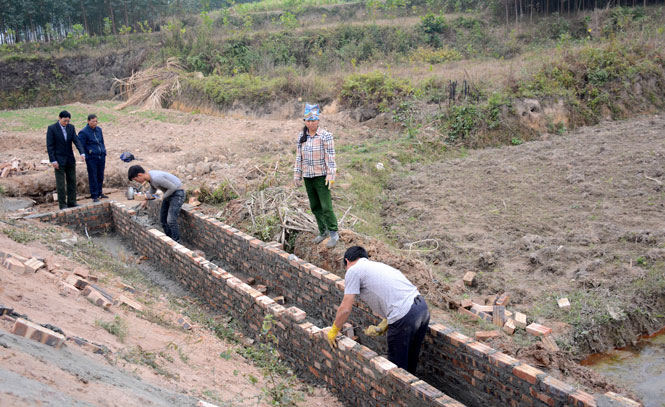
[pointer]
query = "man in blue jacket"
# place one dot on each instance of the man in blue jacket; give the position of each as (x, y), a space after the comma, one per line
(92, 140)
(59, 138)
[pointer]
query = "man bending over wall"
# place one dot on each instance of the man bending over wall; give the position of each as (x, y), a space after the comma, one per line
(174, 196)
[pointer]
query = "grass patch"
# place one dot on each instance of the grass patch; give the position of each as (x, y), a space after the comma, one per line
(138, 355)
(118, 327)
(42, 117)
(19, 236)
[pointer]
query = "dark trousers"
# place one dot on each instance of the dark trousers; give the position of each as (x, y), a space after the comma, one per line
(95, 165)
(405, 337)
(168, 214)
(65, 185)
(320, 202)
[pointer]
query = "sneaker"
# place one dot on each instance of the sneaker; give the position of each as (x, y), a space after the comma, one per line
(102, 196)
(334, 238)
(320, 238)
(95, 200)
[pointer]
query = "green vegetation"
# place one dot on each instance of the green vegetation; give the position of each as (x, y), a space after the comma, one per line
(19, 235)
(221, 194)
(280, 380)
(153, 360)
(41, 117)
(118, 327)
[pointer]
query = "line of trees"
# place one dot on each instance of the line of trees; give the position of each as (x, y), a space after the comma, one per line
(48, 20)
(520, 8)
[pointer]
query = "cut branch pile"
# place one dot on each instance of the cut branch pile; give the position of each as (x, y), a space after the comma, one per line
(151, 88)
(288, 206)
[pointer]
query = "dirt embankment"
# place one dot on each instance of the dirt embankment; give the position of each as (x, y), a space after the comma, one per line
(43, 81)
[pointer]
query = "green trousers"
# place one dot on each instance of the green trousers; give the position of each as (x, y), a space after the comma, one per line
(320, 202)
(65, 180)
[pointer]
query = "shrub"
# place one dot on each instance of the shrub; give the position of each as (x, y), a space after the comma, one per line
(435, 56)
(375, 88)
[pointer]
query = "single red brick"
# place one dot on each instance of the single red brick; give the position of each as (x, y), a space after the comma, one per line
(527, 373)
(582, 399)
(538, 330)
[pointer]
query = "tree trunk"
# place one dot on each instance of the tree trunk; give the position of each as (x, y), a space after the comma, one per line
(85, 19)
(124, 3)
(517, 13)
(110, 7)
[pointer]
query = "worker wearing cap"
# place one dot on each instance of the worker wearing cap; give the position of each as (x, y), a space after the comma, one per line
(391, 296)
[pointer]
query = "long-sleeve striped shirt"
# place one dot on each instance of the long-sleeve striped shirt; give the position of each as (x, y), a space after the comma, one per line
(315, 157)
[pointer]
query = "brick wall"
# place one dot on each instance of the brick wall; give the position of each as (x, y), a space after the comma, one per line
(354, 372)
(95, 218)
(452, 363)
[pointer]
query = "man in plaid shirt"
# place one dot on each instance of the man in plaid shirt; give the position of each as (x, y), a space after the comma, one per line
(315, 163)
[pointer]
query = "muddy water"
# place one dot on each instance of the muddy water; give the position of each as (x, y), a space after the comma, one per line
(640, 367)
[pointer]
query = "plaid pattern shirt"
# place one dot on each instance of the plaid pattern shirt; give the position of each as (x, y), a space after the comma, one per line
(315, 157)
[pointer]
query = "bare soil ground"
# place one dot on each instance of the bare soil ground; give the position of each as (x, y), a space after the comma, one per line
(157, 363)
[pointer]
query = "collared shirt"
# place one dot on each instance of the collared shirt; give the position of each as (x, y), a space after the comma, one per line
(316, 156)
(385, 289)
(64, 131)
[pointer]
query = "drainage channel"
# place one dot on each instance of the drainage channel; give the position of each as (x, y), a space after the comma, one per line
(452, 364)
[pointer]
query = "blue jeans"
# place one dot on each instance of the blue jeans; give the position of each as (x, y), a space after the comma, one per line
(405, 336)
(168, 214)
(95, 165)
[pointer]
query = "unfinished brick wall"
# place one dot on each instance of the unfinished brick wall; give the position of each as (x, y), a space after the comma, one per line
(454, 364)
(94, 219)
(356, 373)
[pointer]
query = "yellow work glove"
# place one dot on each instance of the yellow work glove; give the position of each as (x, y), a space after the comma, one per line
(329, 183)
(332, 334)
(377, 330)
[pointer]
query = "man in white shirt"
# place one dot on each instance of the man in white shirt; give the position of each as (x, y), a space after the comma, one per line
(390, 295)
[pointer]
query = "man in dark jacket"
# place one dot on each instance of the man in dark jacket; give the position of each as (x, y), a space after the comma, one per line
(59, 139)
(92, 141)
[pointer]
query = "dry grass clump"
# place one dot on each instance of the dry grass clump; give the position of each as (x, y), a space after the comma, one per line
(151, 88)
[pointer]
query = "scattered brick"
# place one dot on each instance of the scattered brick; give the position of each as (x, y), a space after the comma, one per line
(32, 265)
(485, 335)
(470, 279)
(483, 308)
(499, 315)
(251, 281)
(5, 310)
(520, 320)
(37, 333)
(509, 326)
(96, 297)
(466, 303)
(549, 343)
(564, 303)
(279, 300)
(503, 299)
(50, 264)
(87, 345)
(81, 272)
(130, 303)
(13, 264)
(67, 289)
(538, 330)
(261, 288)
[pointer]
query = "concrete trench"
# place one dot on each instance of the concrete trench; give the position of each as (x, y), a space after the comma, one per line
(455, 370)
